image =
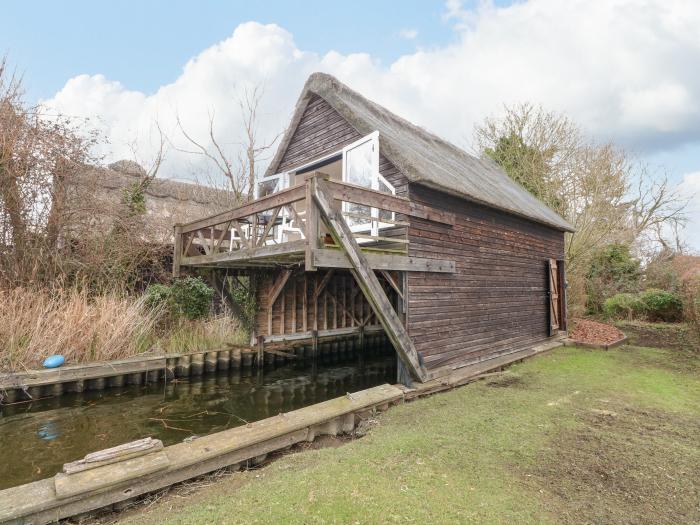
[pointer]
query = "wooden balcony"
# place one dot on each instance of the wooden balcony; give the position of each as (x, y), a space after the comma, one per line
(285, 229)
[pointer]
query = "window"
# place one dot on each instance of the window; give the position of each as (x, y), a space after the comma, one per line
(361, 167)
(272, 184)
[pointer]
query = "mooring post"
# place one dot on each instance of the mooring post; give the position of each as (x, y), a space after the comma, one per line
(314, 343)
(261, 351)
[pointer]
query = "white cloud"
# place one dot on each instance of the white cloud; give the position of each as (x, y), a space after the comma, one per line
(210, 84)
(626, 70)
(408, 34)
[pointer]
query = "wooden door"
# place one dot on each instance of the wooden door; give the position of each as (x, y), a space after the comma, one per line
(554, 293)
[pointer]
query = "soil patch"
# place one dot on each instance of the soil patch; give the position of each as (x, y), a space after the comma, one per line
(595, 333)
(505, 381)
(623, 465)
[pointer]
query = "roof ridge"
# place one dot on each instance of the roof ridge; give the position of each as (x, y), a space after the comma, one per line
(421, 155)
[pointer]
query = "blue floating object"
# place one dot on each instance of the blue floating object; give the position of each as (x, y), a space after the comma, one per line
(54, 361)
(48, 431)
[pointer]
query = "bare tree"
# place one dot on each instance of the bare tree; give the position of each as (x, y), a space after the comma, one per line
(239, 164)
(37, 151)
(603, 193)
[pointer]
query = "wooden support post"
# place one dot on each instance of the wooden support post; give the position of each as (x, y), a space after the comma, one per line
(395, 285)
(341, 306)
(312, 233)
(244, 241)
(344, 304)
(294, 305)
(269, 226)
(188, 245)
(368, 281)
(177, 253)
(352, 304)
(261, 352)
(320, 287)
(314, 342)
(254, 231)
(277, 288)
(315, 298)
(335, 304)
(279, 285)
(304, 309)
(283, 317)
(203, 242)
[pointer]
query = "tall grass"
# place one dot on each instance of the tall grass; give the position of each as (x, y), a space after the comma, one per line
(35, 324)
(207, 334)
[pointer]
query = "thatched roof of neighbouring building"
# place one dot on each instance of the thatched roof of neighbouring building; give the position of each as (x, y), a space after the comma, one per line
(101, 192)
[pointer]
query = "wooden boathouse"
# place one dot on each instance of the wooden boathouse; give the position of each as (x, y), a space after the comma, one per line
(365, 222)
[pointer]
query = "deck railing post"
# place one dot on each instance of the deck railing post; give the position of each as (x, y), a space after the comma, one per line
(177, 250)
(312, 220)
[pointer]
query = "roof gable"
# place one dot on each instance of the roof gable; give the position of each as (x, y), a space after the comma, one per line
(421, 156)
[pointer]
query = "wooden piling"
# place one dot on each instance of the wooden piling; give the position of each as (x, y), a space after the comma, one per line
(196, 364)
(97, 384)
(223, 360)
(182, 368)
(236, 358)
(135, 379)
(210, 362)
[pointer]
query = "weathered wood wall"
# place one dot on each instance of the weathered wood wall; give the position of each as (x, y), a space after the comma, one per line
(497, 300)
(496, 303)
(341, 303)
(322, 131)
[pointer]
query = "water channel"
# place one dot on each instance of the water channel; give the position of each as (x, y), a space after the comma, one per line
(38, 437)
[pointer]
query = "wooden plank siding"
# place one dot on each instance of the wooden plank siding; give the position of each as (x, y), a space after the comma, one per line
(341, 304)
(322, 131)
(496, 302)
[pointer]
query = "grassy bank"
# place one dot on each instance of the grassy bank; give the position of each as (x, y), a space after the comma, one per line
(35, 324)
(574, 436)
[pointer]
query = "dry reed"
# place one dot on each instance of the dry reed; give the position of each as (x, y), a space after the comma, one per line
(35, 324)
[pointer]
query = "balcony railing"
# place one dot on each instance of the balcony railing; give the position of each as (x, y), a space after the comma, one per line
(285, 228)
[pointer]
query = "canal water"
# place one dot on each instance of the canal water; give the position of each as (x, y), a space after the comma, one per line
(38, 437)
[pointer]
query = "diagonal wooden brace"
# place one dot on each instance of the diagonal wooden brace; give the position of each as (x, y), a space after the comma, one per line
(367, 280)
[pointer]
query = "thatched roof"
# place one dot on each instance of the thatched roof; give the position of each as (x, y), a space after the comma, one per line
(101, 192)
(124, 173)
(423, 157)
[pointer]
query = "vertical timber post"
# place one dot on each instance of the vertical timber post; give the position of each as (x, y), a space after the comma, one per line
(261, 351)
(177, 250)
(312, 220)
(403, 376)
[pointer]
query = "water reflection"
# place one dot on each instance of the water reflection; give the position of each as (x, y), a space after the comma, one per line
(37, 438)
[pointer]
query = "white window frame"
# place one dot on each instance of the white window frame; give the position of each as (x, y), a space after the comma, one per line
(374, 224)
(283, 177)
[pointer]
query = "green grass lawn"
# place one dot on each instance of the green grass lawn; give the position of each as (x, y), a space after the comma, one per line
(570, 437)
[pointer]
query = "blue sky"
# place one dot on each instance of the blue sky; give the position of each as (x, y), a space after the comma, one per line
(626, 71)
(145, 43)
